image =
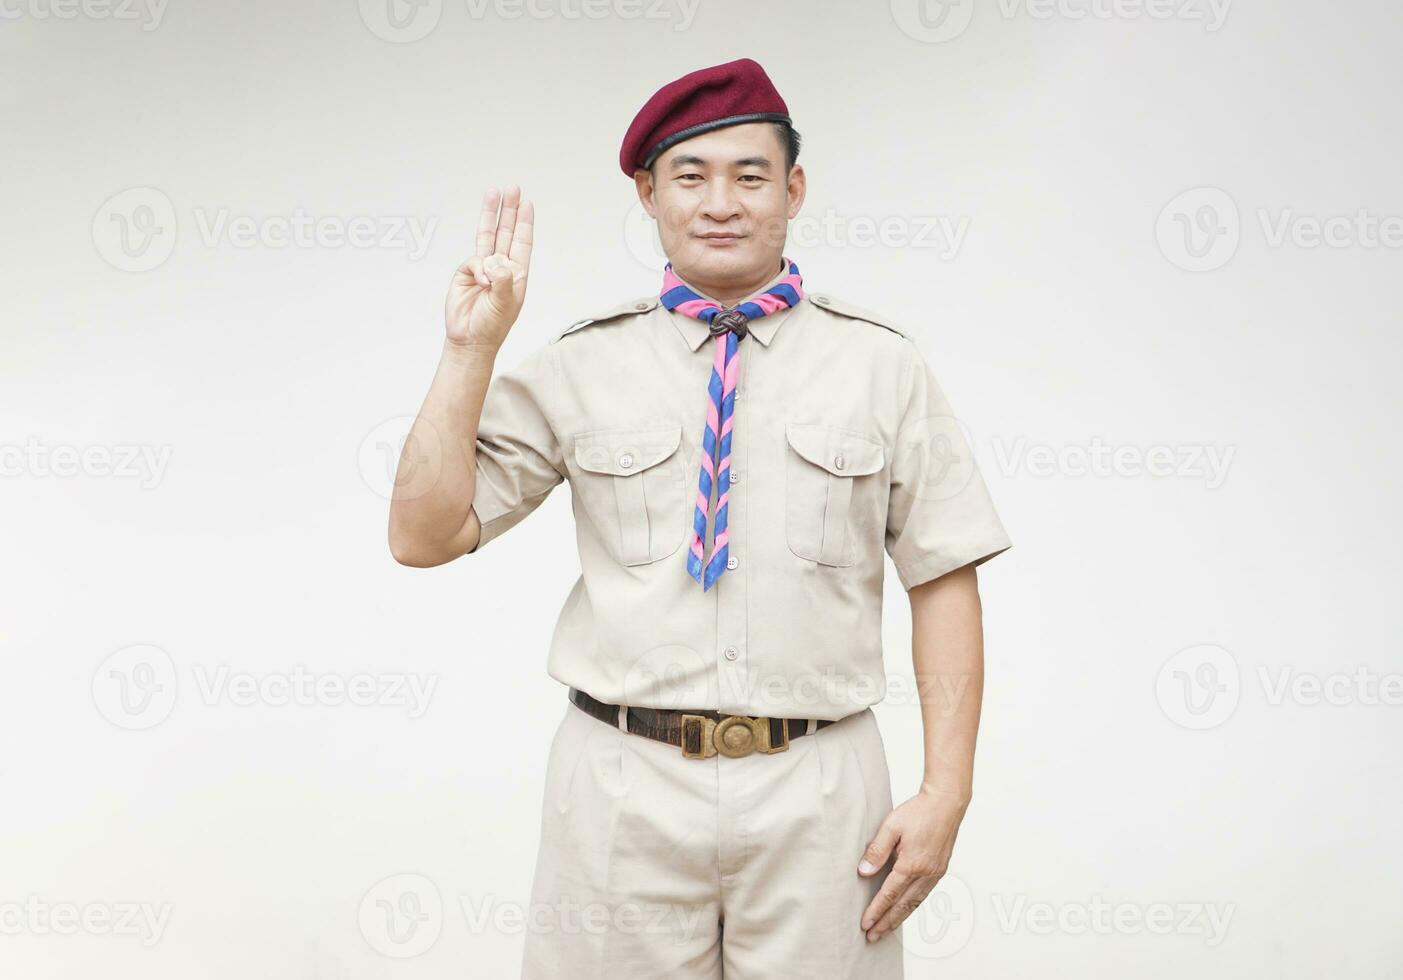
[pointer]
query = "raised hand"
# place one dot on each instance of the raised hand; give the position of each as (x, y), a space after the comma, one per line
(489, 289)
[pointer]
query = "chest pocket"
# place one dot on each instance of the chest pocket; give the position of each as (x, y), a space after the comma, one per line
(630, 482)
(830, 488)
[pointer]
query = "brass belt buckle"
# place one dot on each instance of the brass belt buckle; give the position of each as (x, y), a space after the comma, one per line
(734, 736)
(696, 736)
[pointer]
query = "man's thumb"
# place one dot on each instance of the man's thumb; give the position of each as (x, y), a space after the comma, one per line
(879, 850)
(501, 274)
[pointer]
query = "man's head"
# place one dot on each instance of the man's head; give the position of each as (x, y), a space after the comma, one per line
(713, 156)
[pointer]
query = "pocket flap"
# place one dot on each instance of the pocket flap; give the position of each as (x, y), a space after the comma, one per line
(623, 452)
(838, 451)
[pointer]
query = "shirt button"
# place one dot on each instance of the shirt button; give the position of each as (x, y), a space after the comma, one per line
(732, 653)
(732, 561)
(626, 460)
(640, 306)
(838, 461)
(735, 477)
(821, 300)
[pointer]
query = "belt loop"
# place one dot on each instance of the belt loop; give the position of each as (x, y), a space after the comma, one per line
(623, 718)
(813, 726)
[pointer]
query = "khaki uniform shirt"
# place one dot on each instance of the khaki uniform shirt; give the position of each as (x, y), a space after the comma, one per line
(843, 446)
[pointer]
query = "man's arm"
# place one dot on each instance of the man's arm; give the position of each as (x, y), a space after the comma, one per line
(432, 519)
(947, 648)
(941, 524)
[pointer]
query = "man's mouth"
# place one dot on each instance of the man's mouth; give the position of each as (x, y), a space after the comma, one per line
(720, 238)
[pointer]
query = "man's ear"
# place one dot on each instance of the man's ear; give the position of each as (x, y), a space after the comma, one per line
(798, 188)
(643, 183)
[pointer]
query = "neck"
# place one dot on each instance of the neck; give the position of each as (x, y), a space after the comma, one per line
(731, 292)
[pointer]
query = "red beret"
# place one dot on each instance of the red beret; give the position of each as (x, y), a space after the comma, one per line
(707, 99)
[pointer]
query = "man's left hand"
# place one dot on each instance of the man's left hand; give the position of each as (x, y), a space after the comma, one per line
(922, 832)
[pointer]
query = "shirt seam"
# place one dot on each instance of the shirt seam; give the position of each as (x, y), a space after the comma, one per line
(547, 407)
(918, 573)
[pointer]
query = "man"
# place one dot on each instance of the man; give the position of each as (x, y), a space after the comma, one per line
(717, 798)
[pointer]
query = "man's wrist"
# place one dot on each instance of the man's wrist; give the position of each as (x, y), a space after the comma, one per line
(470, 355)
(942, 787)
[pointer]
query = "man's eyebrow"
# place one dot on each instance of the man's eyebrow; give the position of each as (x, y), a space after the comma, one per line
(691, 160)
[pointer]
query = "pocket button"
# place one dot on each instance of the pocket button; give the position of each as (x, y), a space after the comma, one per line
(838, 462)
(626, 460)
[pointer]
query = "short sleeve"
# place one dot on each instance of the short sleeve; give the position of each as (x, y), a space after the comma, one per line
(939, 516)
(519, 457)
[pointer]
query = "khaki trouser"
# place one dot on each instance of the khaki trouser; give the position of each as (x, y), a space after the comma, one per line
(653, 865)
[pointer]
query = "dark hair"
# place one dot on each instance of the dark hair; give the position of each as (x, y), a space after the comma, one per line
(789, 139)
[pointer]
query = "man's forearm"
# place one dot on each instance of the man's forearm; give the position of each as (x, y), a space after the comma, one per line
(431, 509)
(947, 648)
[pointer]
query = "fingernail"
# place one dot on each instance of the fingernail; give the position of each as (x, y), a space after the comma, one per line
(866, 867)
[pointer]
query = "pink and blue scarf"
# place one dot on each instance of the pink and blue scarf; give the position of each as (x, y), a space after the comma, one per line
(729, 327)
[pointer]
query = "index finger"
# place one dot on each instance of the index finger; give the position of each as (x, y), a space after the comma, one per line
(895, 885)
(487, 223)
(901, 908)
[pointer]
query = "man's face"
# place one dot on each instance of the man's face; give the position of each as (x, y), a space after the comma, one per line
(723, 202)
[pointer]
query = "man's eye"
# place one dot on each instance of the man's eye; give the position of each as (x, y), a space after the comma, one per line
(689, 176)
(755, 177)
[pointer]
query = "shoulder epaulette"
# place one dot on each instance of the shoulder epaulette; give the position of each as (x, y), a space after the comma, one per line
(632, 308)
(844, 308)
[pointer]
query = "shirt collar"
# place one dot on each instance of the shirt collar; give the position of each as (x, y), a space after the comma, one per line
(695, 332)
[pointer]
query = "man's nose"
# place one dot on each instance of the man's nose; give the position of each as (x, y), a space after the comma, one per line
(720, 202)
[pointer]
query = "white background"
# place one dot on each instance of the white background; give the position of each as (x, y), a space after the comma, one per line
(1141, 770)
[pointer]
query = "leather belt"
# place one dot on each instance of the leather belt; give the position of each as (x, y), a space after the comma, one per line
(702, 733)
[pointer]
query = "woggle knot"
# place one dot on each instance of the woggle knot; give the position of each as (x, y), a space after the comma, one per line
(732, 320)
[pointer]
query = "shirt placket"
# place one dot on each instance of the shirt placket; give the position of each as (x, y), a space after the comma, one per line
(732, 652)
